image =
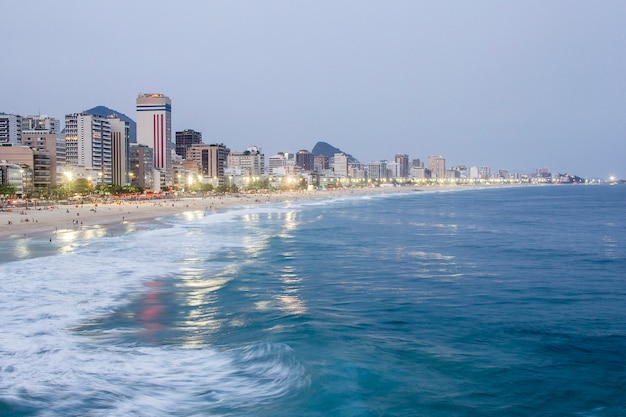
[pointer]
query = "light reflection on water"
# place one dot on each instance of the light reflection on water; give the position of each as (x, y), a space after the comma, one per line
(197, 292)
(289, 300)
(22, 249)
(191, 216)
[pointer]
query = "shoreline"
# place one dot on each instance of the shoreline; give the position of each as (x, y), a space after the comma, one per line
(20, 223)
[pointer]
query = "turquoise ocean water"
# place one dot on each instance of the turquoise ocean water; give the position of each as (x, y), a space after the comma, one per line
(491, 302)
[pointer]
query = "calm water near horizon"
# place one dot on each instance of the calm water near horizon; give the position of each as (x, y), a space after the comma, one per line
(490, 302)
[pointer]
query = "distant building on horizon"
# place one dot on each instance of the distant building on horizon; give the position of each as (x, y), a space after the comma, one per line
(543, 172)
(402, 160)
(340, 165)
(154, 129)
(377, 170)
(393, 169)
(437, 167)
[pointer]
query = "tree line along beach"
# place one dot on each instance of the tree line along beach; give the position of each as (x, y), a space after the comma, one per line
(52, 218)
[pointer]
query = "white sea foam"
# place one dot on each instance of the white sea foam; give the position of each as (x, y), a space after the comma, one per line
(45, 365)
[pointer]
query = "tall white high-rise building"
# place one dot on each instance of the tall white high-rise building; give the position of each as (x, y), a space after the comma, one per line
(393, 169)
(377, 170)
(154, 129)
(340, 165)
(88, 146)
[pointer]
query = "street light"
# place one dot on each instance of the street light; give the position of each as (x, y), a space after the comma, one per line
(69, 175)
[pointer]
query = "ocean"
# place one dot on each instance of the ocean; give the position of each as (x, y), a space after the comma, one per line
(472, 302)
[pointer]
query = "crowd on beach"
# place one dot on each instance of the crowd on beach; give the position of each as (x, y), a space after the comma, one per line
(52, 217)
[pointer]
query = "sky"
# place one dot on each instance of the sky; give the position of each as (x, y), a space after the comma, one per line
(515, 85)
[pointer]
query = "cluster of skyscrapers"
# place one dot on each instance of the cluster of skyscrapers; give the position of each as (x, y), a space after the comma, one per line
(36, 156)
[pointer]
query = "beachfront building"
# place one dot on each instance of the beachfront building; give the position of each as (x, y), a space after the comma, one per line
(19, 162)
(340, 165)
(462, 172)
(154, 129)
(10, 129)
(485, 172)
(402, 165)
(12, 174)
(187, 175)
(46, 158)
(88, 146)
(392, 169)
(543, 173)
(278, 164)
(437, 167)
(250, 163)
(305, 160)
(141, 165)
(41, 134)
(185, 139)
(120, 150)
(453, 175)
(377, 171)
(356, 171)
(211, 160)
(420, 173)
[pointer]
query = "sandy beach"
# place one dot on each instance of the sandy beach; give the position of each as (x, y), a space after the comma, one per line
(20, 222)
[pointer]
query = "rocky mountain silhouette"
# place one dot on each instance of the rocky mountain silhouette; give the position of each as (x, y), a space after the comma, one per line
(323, 148)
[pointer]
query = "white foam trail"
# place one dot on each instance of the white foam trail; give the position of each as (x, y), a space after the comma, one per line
(44, 365)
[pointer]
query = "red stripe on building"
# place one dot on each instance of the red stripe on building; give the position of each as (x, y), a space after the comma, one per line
(154, 139)
(163, 150)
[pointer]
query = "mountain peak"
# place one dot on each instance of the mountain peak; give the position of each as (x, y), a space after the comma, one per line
(323, 148)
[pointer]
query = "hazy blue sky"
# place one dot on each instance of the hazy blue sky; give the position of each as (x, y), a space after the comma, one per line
(511, 84)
